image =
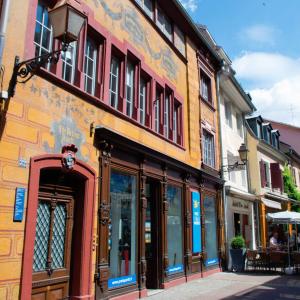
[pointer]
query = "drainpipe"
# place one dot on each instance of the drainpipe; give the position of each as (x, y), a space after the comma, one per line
(226, 71)
(3, 25)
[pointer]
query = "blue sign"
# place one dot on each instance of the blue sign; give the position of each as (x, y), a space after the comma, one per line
(175, 269)
(120, 281)
(19, 204)
(212, 261)
(196, 214)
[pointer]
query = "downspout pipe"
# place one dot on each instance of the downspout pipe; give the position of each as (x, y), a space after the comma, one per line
(225, 70)
(3, 26)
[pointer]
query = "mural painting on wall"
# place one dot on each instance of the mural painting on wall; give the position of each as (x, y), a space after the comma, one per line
(130, 22)
(65, 130)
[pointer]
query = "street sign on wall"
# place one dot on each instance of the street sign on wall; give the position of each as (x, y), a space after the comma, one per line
(19, 204)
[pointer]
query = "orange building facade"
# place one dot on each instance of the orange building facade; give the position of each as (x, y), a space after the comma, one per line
(109, 159)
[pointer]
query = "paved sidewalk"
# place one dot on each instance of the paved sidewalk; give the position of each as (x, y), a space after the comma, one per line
(230, 286)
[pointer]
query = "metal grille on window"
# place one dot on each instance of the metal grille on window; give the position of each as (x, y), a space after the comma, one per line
(41, 237)
(58, 239)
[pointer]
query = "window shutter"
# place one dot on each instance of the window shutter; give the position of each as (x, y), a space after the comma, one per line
(262, 174)
(276, 176)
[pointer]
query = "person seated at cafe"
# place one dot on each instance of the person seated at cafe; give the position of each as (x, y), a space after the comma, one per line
(274, 241)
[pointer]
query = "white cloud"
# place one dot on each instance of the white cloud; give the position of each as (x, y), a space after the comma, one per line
(275, 84)
(261, 34)
(191, 5)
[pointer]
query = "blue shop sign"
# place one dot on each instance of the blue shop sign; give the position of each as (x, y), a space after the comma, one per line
(175, 269)
(19, 204)
(196, 217)
(121, 281)
(212, 261)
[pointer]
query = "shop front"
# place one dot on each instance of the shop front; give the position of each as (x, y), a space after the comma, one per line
(272, 204)
(154, 215)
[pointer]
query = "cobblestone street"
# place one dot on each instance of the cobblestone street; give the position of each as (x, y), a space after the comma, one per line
(235, 286)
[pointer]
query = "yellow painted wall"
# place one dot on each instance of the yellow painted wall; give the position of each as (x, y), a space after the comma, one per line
(42, 117)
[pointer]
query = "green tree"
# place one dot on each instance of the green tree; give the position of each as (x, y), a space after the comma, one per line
(290, 188)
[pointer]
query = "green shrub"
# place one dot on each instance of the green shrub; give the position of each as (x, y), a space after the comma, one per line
(238, 242)
(290, 187)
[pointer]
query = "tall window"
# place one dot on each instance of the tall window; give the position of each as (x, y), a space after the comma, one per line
(114, 82)
(179, 40)
(157, 111)
(147, 6)
(143, 99)
(211, 230)
(208, 149)
(122, 229)
(175, 123)
(174, 229)
(129, 88)
(239, 124)
(205, 87)
(228, 114)
(164, 23)
(166, 116)
(90, 62)
(68, 62)
(43, 31)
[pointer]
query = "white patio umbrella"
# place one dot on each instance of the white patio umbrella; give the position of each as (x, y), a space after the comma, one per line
(285, 217)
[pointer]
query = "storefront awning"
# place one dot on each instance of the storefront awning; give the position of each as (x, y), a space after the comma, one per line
(271, 203)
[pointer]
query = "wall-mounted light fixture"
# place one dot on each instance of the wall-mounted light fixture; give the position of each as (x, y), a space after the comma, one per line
(67, 20)
(243, 153)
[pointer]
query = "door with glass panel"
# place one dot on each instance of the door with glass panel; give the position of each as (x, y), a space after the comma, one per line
(52, 248)
(152, 234)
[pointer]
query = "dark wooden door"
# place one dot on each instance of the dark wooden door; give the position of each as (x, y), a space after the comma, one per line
(152, 235)
(53, 240)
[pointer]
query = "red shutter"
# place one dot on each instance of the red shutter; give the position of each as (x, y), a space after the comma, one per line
(262, 174)
(276, 176)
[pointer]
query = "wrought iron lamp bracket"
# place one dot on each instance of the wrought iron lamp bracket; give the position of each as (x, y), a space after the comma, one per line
(236, 165)
(25, 70)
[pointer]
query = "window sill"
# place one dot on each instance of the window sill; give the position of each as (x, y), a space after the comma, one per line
(53, 78)
(210, 169)
(210, 106)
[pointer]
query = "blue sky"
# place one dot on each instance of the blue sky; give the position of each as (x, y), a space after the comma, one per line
(262, 38)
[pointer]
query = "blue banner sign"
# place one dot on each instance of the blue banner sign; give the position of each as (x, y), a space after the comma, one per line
(19, 204)
(196, 214)
(175, 269)
(120, 281)
(212, 261)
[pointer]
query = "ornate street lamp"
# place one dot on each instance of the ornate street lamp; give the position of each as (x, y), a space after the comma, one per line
(243, 153)
(67, 20)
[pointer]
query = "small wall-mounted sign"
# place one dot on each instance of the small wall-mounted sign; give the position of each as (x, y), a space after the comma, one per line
(19, 204)
(121, 281)
(22, 163)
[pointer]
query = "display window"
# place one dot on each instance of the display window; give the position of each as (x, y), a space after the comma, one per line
(211, 230)
(174, 229)
(122, 230)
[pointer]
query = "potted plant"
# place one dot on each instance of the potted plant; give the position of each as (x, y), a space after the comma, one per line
(237, 253)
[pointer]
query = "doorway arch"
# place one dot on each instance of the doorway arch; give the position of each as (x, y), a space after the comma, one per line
(82, 278)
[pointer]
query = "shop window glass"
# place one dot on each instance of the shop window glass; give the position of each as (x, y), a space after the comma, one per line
(174, 229)
(211, 230)
(122, 230)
